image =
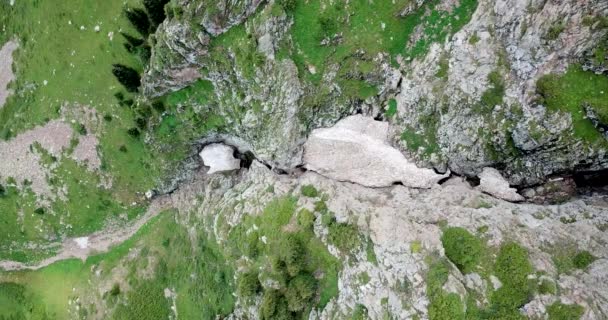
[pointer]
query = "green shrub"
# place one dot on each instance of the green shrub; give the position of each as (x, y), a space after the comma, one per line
(291, 254)
(512, 268)
(249, 285)
(360, 313)
(344, 236)
(288, 5)
(547, 286)
(115, 290)
(462, 248)
(82, 130)
(306, 219)
(446, 307)
(274, 306)
(134, 132)
(555, 30)
(560, 311)
(568, 258)
(2, 191)
(309, 191)
(300, 291)
(583, 259)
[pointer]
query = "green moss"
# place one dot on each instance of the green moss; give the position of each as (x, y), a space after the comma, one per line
(569, 93)
(462, 248)
(560, 311)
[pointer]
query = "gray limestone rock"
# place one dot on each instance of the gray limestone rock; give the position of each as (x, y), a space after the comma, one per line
(493, 183)
(356, 150)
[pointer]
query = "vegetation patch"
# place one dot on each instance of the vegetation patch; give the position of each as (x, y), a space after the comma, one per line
(287, 260)
(560, 311)
(571, 92)
(462, 248)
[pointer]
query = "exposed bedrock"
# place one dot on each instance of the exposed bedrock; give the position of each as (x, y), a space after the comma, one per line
(356, 150)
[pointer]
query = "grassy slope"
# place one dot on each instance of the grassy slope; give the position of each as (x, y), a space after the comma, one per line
(76, 65)
(571, 91)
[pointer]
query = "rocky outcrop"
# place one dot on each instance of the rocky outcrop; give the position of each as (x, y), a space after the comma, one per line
(356, 150)
(219, 158)
(493, 183)
(516, 43)
(180, 50)
(6, 71)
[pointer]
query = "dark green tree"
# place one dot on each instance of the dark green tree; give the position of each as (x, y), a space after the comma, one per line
(132, 42)
(134, 132)
(156, 10)
(139, 20)
(127, 76)
(2, 191)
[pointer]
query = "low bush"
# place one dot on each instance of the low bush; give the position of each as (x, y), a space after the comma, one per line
(462, 248)
(512, 268)
(309, 191)
(344, 236)
(249, 284)
(583, 259)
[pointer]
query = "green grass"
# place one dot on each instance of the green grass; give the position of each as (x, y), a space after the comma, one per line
(567, 258)
(423, 142)
(560, 311)
(76, 66)
(391, 111)
(207, 295)
(443, 305)
(570, 91)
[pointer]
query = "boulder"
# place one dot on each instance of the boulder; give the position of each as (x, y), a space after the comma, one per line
(356, 150)
(494, 184)
(219, 158)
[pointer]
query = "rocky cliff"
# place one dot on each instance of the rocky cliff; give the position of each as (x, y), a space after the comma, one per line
(461, 93)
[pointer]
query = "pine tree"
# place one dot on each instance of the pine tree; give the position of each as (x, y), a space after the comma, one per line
(127, 76)
(156, 10)
(139, 20)
(132, 42)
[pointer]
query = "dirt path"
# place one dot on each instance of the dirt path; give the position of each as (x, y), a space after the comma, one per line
(6, 70)
(98, 242)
